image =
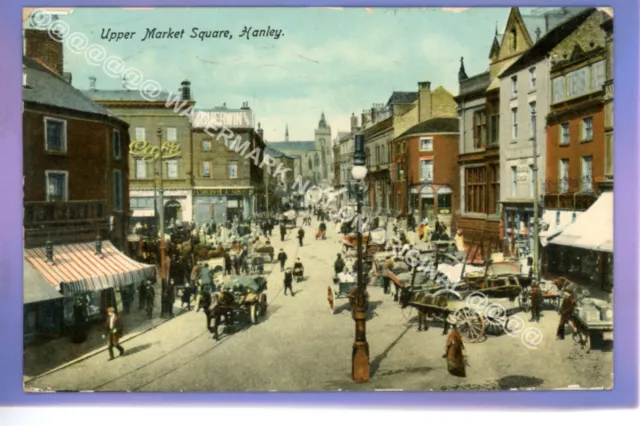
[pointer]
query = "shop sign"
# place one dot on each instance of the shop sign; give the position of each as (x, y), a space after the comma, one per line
(222, 191)
(147, 151)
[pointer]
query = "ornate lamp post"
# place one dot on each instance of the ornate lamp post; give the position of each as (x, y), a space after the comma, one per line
(163, 248)
(360, 355)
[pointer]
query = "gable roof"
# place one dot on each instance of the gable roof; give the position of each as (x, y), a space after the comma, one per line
(434, 125)
(294, 146)
(272, 152)
(47, 88)
(402, 98)
(126, 95)
(549, 41)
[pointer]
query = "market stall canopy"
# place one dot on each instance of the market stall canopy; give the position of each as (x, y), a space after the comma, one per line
(593, 230)
(76, 268)
(35, 288)
(143, 213)
(558, 221)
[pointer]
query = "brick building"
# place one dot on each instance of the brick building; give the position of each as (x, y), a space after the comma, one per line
(76, 203)
(577, 196)
(427, 160)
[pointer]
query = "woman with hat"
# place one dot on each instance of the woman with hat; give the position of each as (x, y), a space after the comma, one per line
(453, 350)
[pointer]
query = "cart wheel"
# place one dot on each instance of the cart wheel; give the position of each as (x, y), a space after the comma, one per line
(523, 303)
(253, 313)
(470, 324)
(331, 299)
(263, 305)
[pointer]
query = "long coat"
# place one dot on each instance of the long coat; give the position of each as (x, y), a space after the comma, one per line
(455, 358)
(117, 332)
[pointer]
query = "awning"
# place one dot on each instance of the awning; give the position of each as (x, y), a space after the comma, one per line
(77, 269)
(143, 213)
(558, 221)
(35, 288)
(593, 230)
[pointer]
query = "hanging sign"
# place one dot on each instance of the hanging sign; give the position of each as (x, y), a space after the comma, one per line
(147, 151)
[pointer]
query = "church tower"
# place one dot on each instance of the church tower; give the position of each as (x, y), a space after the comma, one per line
(323, 146)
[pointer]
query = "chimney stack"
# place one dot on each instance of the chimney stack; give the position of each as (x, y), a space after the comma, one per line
(245, 105)
(185, 90)
(260, 132)
(373, 114)
(354, 123)
(67, 77)
(44, 48)
(424, 85)
(49, 251)
(92, 83)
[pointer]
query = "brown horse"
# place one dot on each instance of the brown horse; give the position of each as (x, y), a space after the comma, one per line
(430, 305)
(223, 304)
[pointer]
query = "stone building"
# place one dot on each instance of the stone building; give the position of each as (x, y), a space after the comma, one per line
(578, 199)
(228, 180)
(524, 104)
(316, 161)
(160, 137)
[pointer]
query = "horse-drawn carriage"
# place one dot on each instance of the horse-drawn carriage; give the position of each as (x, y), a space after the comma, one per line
(239, 296)
(344, 287)
(264, 248)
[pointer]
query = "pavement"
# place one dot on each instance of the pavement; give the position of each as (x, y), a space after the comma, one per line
(301, 346)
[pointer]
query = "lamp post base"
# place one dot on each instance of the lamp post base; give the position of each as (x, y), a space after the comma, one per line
(360, 362)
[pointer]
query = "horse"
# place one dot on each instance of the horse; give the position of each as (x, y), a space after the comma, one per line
(432, 305)
(223, 306)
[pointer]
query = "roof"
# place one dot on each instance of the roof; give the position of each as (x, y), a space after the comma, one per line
(47, 88)
(125, 95)
(35, 288)
(434, 125)
(402, 97)
(274, 152)
(294, 146)
(550, 40)
(495, 84)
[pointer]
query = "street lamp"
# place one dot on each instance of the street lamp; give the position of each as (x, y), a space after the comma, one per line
(534, 171)
(163, 248)
(360, 355)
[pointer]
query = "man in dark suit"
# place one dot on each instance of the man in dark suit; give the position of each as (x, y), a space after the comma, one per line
(288, 282)
(536, 302)
(115, 331)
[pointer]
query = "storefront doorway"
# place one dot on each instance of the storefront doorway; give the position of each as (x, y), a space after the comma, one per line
(172, 211)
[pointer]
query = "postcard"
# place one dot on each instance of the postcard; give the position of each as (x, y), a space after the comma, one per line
(353, 199)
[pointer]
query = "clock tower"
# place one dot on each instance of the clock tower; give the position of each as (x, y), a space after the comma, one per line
(323, 146)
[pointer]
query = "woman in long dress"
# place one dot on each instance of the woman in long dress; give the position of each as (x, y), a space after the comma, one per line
(453, 350)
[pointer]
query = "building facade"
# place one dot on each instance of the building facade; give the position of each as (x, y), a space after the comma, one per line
(159, 152)
(524, 104)
(427, 156)
(378, 137)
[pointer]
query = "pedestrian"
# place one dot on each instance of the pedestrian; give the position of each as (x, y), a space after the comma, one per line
(237, 263)
(205, 278)
(300, 236)
(282, 258)
(566, 313)
(170, 297)
(283, 231)
(454, 350)
(536, 301)
(288, 282)
(386, 281)
(186, 297)
(338, 265)
(228, 264)
(115, 331)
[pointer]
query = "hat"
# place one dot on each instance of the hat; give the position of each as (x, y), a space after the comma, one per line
(451, 319)
(459, 231)
(110, 310)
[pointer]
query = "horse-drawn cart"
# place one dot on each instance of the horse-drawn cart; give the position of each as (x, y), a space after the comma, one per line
(594, 323)
(344, 287)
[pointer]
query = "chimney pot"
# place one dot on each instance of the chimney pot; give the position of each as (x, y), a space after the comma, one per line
(92, 83)
(185, 90)
(49, 251)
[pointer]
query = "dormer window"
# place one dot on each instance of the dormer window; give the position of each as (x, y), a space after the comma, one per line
(513, 42)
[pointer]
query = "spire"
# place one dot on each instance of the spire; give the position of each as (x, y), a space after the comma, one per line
(286, 134)
(462, 75)
(323, 122)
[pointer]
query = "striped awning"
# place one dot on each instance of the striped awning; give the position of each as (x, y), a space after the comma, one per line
(77, 268)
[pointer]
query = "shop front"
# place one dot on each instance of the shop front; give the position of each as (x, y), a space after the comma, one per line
(95, 276)
(584, 250)
(177, 206)
(518, 220)
(222, 204)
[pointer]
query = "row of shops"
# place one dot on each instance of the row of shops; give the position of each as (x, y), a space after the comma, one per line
(55, 278)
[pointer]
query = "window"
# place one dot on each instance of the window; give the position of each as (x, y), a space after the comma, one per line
(140, 134)
(426, 144)
(494, 190)
(206, 169)
(598, 75)
(426, 170)
(232, 169)
(532, 183)
(532, 78)
(118, 199)
(514, 86)
(514, 181)
(514, 123)
(480, 129)
(117, 147)
(444, 204)
(578, 82)
(400, 172)
(142, 203)
(559, 89)
(172, 134)
(586, 176)
(564, 134)
(141, 169)
(513, 40)
(172, 169)
(563, 176)
(389, 152)
(55, 137)
(532, 118)
(475, 179)
(494, 129)
(587, 129)
(206, 145)
(57, 185)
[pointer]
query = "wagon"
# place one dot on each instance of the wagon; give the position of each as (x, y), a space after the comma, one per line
(594, 324)
(250, 297)
(551, 296)
(343, 287)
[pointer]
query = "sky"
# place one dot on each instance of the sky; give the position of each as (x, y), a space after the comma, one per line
(334, 61)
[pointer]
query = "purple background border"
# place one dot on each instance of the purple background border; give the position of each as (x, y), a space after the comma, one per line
(625, 392)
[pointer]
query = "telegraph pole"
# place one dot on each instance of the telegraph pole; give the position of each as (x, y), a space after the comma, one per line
(536, 225)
